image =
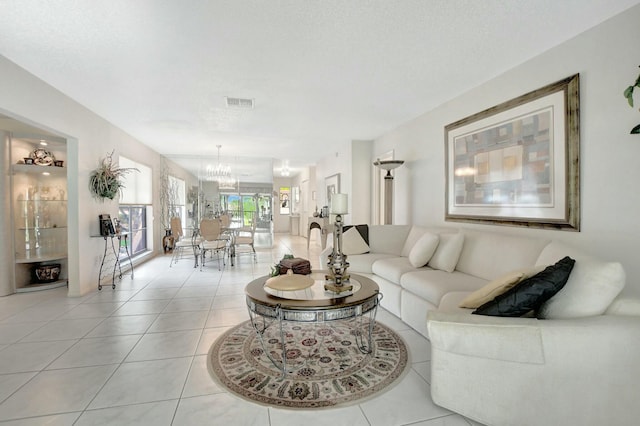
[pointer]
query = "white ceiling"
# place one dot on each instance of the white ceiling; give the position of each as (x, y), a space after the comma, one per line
(322, 73)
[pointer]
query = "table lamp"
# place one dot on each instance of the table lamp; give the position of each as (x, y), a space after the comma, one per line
(337, 279)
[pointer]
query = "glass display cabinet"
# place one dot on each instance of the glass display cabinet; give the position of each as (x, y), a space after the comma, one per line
(39, 211)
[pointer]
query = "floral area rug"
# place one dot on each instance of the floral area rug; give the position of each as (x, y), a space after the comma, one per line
(325, 366)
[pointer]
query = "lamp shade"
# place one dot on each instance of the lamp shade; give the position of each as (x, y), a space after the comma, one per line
(339, 204)
(388, 164)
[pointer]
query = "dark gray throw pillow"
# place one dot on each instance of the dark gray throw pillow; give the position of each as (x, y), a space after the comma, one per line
(531, 293)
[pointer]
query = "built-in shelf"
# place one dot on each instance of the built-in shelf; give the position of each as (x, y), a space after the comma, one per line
(42, 227)
(35, 169)
(42, 286)
(39, 210)
(42, 258)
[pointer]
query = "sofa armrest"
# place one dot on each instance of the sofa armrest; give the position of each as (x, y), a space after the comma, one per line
(529, 340)
(505, 339)
(580, 371)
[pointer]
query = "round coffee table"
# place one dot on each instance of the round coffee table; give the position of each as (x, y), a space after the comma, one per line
(314, 304)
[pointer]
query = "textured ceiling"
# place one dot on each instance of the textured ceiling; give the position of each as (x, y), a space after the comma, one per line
(322, 73)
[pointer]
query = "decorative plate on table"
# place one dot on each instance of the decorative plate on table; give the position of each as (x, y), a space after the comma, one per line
(290, 282)
(42, 157)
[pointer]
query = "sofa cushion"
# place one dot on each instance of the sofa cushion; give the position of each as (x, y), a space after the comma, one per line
(392, 268)
(364, 262)
(555, 251)
(487, 338)
(451, 302)
(497, 287)
(355, 239)
(448, 252)
(423, 249)
(388, 239)
(490, 255)
(414, 235)
(433, 284)
(591, 288)
(418, 231)
(531, 293)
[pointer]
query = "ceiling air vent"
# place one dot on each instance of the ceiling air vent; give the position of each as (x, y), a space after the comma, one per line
(239, 103)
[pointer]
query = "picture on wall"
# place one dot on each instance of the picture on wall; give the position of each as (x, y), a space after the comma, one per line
(106, 225)
(332, 184)
(517, 163)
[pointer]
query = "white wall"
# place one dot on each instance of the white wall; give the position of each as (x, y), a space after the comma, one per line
(361, 185)
(354, 163)
(281, 222)
(306, 181)
(607, 59)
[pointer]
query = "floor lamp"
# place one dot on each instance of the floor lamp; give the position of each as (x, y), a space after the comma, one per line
(388, 165)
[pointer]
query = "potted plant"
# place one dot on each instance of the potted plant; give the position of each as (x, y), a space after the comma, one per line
(106, 180)
(628, 93)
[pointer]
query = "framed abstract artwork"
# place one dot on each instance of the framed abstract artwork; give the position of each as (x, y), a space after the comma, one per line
(518, 163)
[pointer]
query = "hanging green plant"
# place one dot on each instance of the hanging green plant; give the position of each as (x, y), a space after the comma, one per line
(628, 93)
(106, 180)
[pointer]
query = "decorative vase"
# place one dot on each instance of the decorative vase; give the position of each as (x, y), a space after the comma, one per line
(167, 241)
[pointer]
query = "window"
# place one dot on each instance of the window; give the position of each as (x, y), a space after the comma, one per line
(233, 205)
(285, 200)
(244, 208)
(264, 207)
(248, 209)
(133, 219)
(137, 185)
(135, 205)
(241, 207)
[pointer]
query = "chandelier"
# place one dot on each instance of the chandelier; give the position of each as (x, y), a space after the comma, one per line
(227, 183)
(220, 172)
(284, 171)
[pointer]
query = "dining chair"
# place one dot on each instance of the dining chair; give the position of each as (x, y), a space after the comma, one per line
(225, 220)
(225, 227)
(212, 241)
(182, 242)
(244, 240)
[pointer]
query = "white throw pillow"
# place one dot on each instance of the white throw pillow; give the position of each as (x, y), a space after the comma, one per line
(423, 249)
(448, 252)
(591, 288)
(353, 243)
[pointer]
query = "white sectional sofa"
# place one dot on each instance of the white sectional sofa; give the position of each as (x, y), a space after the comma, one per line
(410, 292)
(580, 367)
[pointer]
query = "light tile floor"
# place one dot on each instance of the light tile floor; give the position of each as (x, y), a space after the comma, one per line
(137, 354)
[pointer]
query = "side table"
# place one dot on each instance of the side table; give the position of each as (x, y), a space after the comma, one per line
(123, 243)
(313, 304)
(322, 224)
